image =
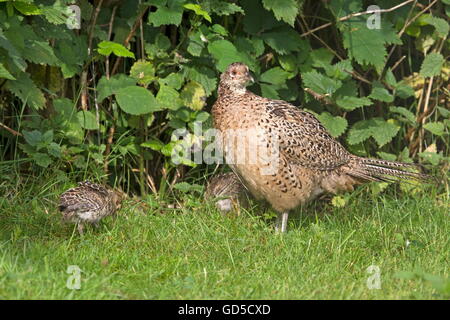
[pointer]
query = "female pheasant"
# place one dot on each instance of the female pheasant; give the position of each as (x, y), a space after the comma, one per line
(282, 153)
(228, 192)
(89, 203)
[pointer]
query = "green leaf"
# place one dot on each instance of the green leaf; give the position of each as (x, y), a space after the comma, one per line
(41, 159)
(168, 98)
(382, 131)
(136, 100)
(203, 75)
(193, 95)
(4, 73)
(381, 94)
(107, 47)
(198, 11)
(334, 124)
(170, 14)
(275, 76)
(432, 65)
(283, 40)
(404, 112)
(87, 120)
(439, 24)
(403, 90)
(153, 144)
(285, 10)
(143, 72)
(436, 128)
(225, 53)
(107, 87)
(351, 103)
(367, 46)
(221, 8)
(186, 187)
(320, 83)
(27, 9)
(32, 137)
(27, 91)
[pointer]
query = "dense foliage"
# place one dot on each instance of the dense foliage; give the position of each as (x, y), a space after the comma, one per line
(105, 98)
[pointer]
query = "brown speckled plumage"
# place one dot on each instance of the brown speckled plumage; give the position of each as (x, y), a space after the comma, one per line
(89, 203)
(310, 161)
(227, 191)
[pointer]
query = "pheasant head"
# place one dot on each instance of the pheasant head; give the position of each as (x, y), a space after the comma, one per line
(236, 77)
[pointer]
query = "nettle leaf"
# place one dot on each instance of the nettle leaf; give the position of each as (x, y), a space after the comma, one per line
(153, 144)
(136, 100)
(27, 9)
(283, 40)
(320, 83)
(381, 94)
(169, 14)
(257, 19)
(403, 90)
(381, 130)
(275, 76)
(40, 52)
(285, 10)
(25, 89)
(351, 103)
(436, 128)
(107, 47)
(225, 53)
(222, 8)
(439, 24)
(107, 87)
(41, 159)
(198, 11)
(32, 137)
(4, 73)
(409, 116)
(87, 120)
(143, 72)
(432, 65)
(367, 46)
(203, 75)
(193, 95)
(168, 98)
(335, 125)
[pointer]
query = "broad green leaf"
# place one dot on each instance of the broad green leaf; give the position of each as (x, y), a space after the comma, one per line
(136, 100)
(168, 98)
(439, 24)
(198, 11)
(432, 65)
(436, 128)
(174, 80)
(221, 8)
(32, 137)
(203, 75)
(351, 103)
(320, 83)
(257, 19)
(27, 91)
(225, 53)
(285, 10)
(107, 87)
(193, 95)
(381, 94)
(283, 40)
(404, 112)
(41, 159)
(381, 130)
(107, 47)
(334, 124)
(171, 13)
(143, 72)
(4, 73)
(87, 120)
(153, 144)
(27, 9)
(275, 76)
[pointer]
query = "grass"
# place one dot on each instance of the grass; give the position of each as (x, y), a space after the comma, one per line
(196, 253)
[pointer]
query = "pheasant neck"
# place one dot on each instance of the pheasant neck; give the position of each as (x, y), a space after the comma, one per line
(225, 89)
